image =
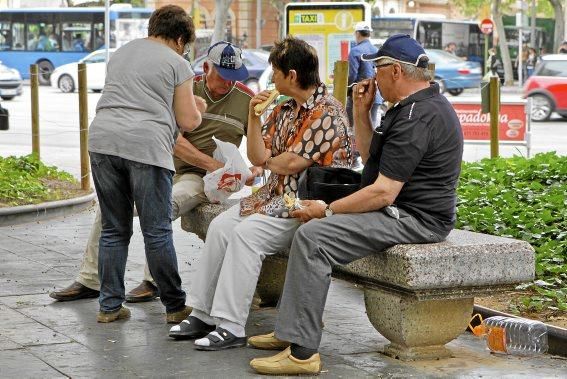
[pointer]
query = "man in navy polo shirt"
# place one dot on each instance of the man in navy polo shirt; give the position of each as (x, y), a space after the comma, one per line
(408, 195)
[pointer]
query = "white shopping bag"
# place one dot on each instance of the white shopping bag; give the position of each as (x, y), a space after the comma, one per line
(222, 183)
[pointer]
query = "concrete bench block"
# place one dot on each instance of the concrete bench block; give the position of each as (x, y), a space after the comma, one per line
(418, 296)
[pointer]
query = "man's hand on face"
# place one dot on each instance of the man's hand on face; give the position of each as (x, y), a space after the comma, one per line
(201, 104)
(256, 171)
(363, 94)
(310, 209)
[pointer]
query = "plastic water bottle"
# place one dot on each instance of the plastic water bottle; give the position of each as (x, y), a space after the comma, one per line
(511, 335)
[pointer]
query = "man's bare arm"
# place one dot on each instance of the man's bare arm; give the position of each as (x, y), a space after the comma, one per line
(185, 151)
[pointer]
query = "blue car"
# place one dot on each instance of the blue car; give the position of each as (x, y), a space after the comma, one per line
(453, 73)
(255, 60)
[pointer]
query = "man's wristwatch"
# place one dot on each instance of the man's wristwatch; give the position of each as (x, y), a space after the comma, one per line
(328, 211)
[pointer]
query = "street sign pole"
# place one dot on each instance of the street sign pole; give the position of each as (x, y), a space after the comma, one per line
(486, 63)
(486, 27)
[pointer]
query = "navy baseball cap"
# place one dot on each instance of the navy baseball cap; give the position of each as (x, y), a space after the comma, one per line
(227, 59)
(401, 48)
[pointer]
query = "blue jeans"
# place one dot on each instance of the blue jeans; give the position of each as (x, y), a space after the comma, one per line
(121, 183)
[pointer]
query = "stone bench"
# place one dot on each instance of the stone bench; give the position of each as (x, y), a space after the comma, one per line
(418, 296)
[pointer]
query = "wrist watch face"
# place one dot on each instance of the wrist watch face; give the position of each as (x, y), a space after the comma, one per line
(328, 211)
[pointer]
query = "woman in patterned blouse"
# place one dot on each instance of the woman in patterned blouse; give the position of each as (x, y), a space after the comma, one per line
(308, 129)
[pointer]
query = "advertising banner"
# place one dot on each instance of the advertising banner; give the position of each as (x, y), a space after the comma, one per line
(513, 127)
(326, 27)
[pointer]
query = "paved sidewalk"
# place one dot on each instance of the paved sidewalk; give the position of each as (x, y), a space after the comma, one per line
(46, 339)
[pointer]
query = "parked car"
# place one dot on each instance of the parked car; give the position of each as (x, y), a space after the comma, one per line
(255, 60)
(454, 74)
(10, 82)
(547, 87)
(66, 77)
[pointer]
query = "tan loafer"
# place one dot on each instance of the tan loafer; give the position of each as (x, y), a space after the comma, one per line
(177, 317)
(267, 342)
(285, 364)
(122, 313)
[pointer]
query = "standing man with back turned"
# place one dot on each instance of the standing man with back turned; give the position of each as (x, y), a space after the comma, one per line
(412, 162)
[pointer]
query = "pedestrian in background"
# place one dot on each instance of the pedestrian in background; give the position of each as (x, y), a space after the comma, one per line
(358, 70)
(148, 93)
(531, 61)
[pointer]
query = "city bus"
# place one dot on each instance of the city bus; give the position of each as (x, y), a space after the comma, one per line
(434, 32)
(51, 37)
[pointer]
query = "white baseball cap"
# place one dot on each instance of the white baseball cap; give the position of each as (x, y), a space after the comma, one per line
(362, 26)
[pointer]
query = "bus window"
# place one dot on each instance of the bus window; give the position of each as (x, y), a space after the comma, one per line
(18, 35)
(76, 31)
(98, 41)
(429, 34)
(43, 31)
(5, 37)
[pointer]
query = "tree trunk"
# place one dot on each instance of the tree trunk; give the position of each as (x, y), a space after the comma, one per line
(559, 24)
(221, 14)
(504, 51)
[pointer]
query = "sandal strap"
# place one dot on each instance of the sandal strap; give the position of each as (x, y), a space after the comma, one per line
(228, 336)
(214, 339)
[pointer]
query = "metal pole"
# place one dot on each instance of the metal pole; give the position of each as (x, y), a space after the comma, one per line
(486, 63)
(258, 23)
(520, 44)
(494, 115)
(340, 81)
(84, 127)
(107, 31)
(533, 26)
(34, 84)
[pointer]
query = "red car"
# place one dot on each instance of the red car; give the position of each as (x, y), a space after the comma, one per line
(547, 87)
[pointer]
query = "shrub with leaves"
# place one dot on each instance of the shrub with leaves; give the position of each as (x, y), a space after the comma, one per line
(524, 199)
(23, 180)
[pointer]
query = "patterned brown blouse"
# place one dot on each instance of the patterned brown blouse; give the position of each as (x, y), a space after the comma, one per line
(319, 133)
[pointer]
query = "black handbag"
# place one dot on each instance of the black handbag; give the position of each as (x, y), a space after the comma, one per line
(327, 183)
(4, 119)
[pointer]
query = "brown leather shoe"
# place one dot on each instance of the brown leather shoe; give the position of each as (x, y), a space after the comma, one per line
(75, 291)
(286, 364)
(146, 291)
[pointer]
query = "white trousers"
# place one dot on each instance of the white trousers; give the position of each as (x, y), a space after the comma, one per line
(228, 270)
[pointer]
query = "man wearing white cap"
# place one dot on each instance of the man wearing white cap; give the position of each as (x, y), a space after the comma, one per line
(359, 70)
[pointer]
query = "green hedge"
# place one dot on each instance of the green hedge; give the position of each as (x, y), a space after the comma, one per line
(24, 180)
(524, 199)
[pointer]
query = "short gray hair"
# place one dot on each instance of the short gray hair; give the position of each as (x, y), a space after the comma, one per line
(418, 74)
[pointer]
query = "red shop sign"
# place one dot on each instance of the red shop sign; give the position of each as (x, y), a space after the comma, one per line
(476, 125)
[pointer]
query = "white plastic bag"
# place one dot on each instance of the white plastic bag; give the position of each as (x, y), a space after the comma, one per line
(225, 181)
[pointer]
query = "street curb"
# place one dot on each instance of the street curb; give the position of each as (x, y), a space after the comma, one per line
(39, 212)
